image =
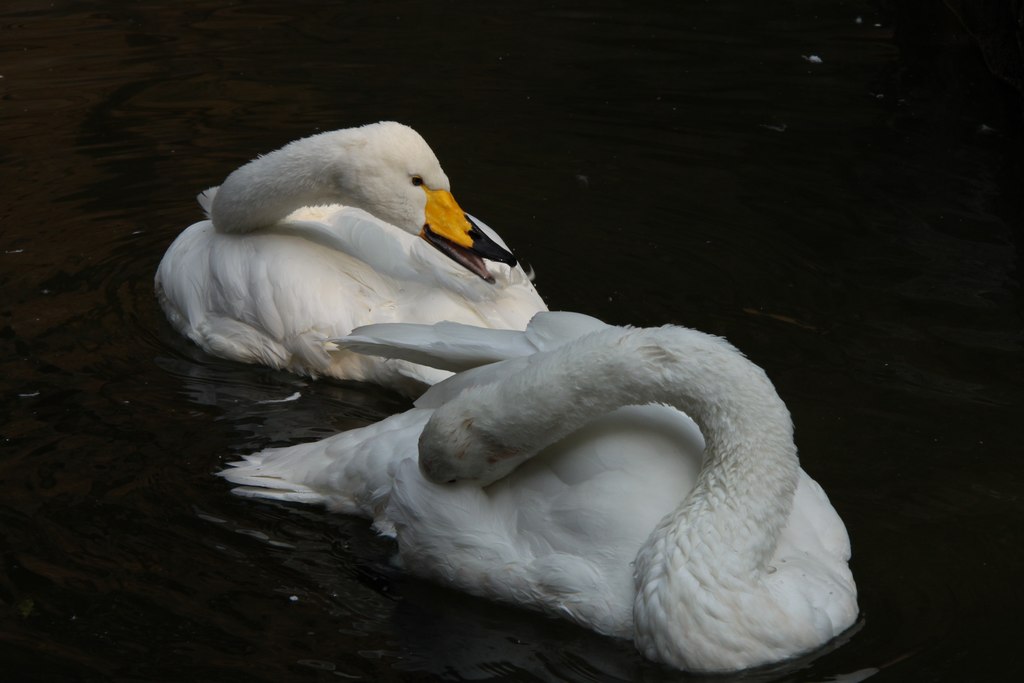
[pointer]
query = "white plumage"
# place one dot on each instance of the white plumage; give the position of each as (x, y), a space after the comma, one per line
(282, 266)
(582, 488)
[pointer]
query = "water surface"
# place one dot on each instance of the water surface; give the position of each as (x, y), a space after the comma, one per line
(853, 225)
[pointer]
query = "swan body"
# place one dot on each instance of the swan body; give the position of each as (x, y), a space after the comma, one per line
(571, 479)
(331, 232)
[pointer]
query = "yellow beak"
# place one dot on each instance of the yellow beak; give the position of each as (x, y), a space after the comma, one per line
(451, 231)
(446, 218)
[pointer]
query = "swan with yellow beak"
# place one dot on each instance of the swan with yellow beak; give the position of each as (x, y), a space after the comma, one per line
(330, 232)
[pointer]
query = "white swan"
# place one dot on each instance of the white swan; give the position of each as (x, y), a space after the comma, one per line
(569, 503)
(281, 266)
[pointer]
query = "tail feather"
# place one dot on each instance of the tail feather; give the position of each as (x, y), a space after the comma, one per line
(306, 497)
(254, 480)
(348, 472)
(205, 199)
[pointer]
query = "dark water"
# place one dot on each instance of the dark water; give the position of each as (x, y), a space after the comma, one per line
(853, 225)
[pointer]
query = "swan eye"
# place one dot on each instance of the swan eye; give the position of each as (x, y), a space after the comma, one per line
(417, 181)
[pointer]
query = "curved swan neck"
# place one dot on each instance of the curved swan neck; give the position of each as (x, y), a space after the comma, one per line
(700, 576)
(750, 469)
(268, 188)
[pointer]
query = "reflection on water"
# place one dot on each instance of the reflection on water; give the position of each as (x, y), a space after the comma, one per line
(853, 225)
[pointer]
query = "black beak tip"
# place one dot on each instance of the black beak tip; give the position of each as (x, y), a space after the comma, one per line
(487, 248)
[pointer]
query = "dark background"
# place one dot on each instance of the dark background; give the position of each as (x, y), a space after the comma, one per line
(853, 225)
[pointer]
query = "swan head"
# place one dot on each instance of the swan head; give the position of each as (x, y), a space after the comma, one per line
(384, 168)
(388, 169)
(455, 446)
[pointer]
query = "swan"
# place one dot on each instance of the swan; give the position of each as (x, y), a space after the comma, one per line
(568, 477)
(330, 232)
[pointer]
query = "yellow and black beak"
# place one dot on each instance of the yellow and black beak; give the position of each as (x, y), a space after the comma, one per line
(456, 236)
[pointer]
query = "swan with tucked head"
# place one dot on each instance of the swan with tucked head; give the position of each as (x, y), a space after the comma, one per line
(572, 480)
(330, 232)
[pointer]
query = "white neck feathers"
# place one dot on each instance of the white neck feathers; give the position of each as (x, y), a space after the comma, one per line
(270, 187)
